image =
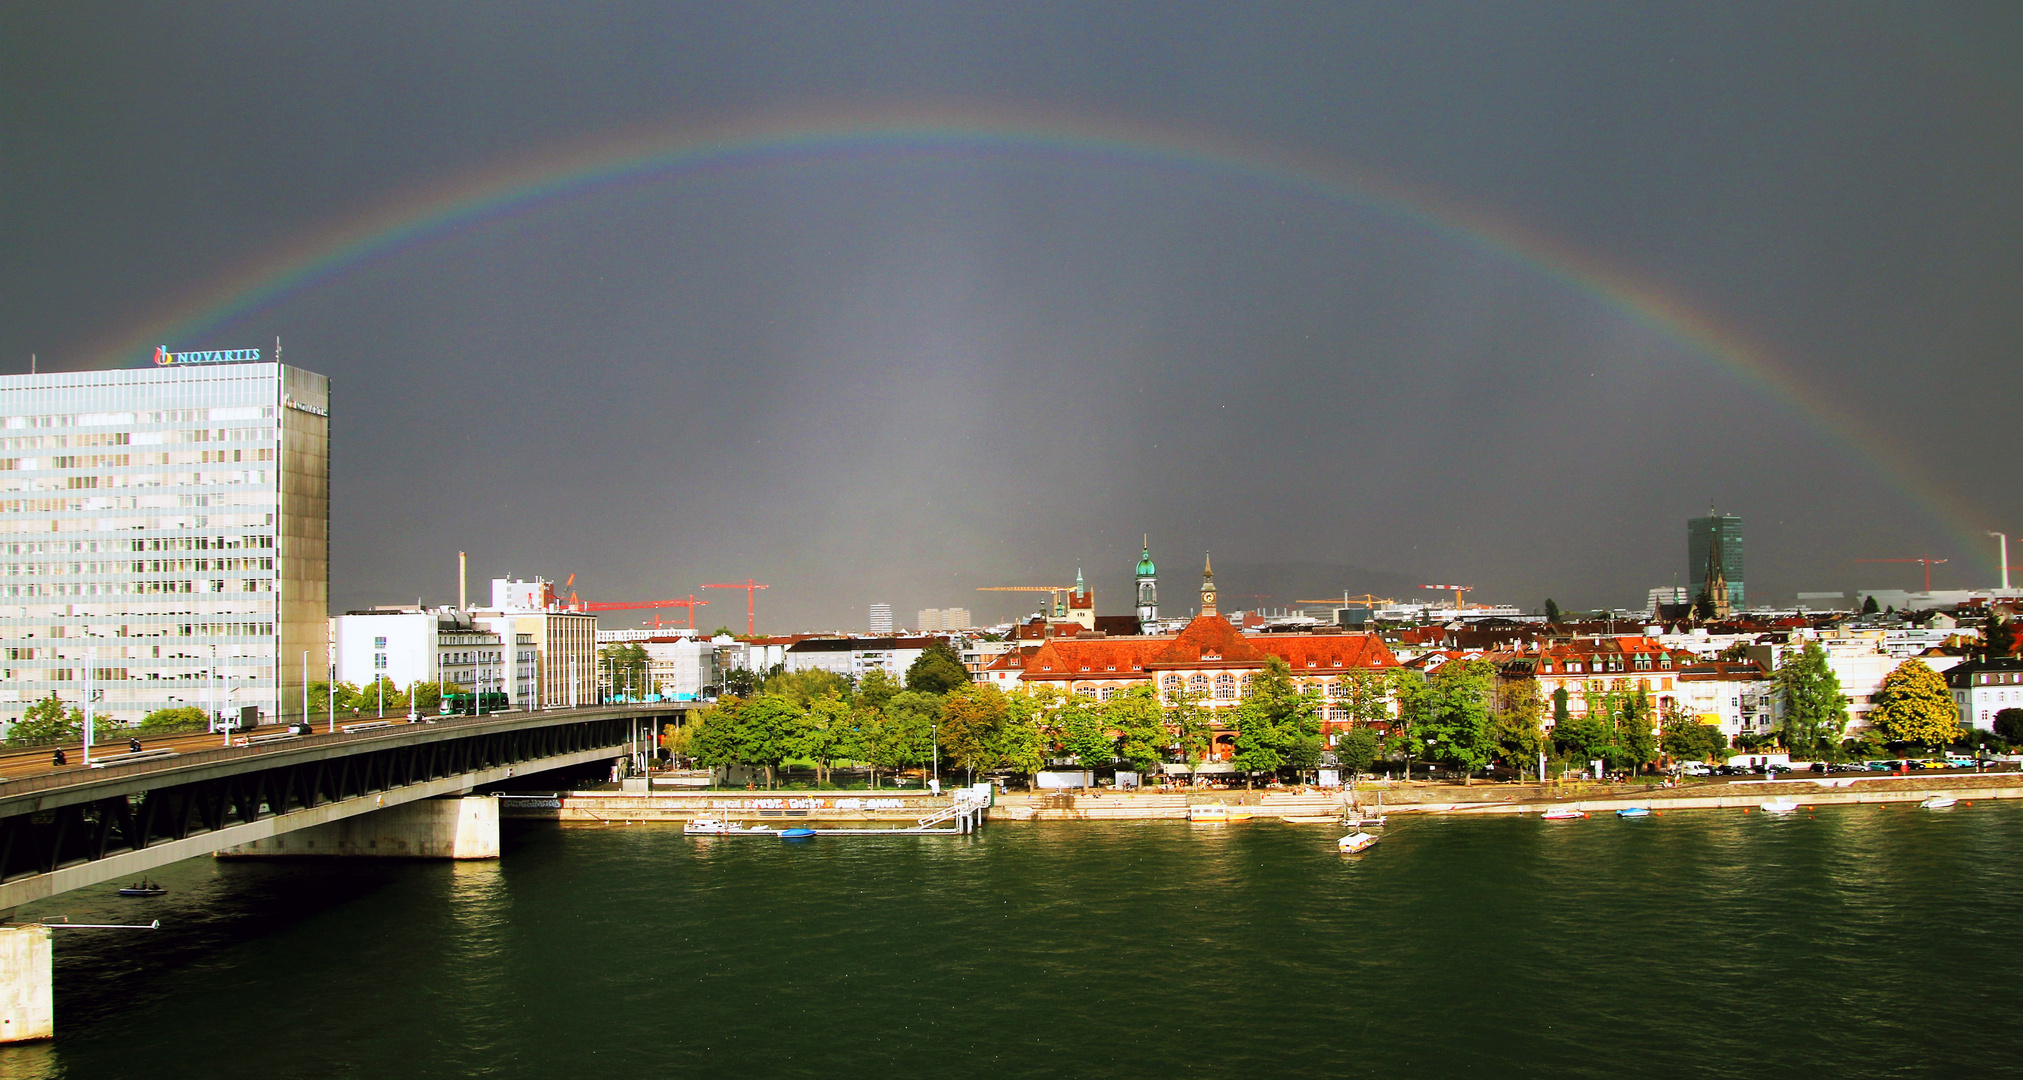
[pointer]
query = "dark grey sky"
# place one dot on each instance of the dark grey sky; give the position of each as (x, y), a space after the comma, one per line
(898, 377)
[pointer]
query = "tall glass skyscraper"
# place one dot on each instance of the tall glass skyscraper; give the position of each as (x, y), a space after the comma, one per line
(1701, 535)
(165, 531)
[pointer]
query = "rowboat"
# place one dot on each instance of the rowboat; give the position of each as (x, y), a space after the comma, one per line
(143, 887)
(1780, 806)
(1634, 811)
(1938, 802)
(1355, 842)
(1217, 813)
(797, 833)
(1313, 819)
(1563, 814)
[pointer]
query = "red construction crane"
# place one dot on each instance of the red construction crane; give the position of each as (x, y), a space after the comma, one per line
(1929, 563)
(751, 589)
(1458, 590)
(689, 602)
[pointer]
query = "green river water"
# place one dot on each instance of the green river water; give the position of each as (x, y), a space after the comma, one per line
(1865, 941)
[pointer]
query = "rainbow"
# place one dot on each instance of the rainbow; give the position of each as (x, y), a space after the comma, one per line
(658, 154)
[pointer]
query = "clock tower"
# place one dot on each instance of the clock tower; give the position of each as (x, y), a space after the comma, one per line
(1208, 586)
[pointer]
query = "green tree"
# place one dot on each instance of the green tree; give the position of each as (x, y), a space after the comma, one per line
(1277, 723)
(174, 718)
(2009, 725)
(1140, 725)
(1190, 727)
(1914, 706)
(876, 688)
(822, 733)
(1416, 704)
(1998, 636)
(625, 666)
(1636, 727)
(741, 682)
(768, 727)
(714, 739)
(1551, 610)
(427, 697)
(1356, 749)
(46, 721)
(1686, 739)
(938, 670)
(810, 686)
(971, 721)
(1870, 607)
(1458, 714)
(1517, 726)
(382, 695)
(1084, 735)
(901, 735)
(1025, 741)
(1815, 711)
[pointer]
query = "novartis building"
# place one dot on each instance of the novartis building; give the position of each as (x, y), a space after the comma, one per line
(164, 536)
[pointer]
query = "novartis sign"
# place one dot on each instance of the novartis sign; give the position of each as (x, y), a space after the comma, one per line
(164, 358)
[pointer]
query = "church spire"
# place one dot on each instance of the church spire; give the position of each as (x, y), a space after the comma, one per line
(1208, 586)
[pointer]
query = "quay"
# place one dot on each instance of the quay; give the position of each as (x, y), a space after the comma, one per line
(959, 810)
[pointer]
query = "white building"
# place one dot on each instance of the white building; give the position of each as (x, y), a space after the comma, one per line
(1983, 688)
(881, 618)
(164, 535)
(564, 642)
(936, 620)
(437, 646)
(682, 667)
(855, 657)
(1737, 697)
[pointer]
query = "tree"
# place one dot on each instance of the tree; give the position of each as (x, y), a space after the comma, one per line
(381, 694)
(1551, 610)
(1458, 714)
(808, 687)
(1870, 607)
(1414, 696)
(768, 726)
(1356, 749)
(1815, 712)
(1736, 652)
(1517, 725)
(1686, 739)
(1635, 722)
(1084, 735)
(1189, 727)
(876, 688)
(1140, 725)
(713, 739)
(938, 670)
(2009, 725)
(1914, 706)
(46, 721)
(175, 718)
(971, 719)
(1364, 696)
(1026, 741)
(721, 631)
(902, 734)
(625, 666)
(1278, 723)
(678, 740)
(740, 682)
(427, 697)
(1998, 636)
(822, 734)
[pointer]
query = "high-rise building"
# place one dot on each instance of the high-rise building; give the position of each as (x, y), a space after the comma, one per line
(881, 618)
(1148, 585)
(164, 532)
(928, 620)
(1704, 535)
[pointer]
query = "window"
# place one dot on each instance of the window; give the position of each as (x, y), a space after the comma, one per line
(379, 643)
(1171, 685)
(1197, 685)
(1225, 686)
(379, 661)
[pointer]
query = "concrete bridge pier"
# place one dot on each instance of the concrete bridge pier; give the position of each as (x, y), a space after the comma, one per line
(451, 827)
(27, 984)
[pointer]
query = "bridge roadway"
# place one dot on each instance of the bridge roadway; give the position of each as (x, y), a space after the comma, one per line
(64, 828)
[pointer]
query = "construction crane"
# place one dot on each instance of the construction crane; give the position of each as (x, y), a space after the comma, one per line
(751, 589)
(1366, 600)
(1929, 563)
(1054, 608)
(689, 602)
(1458, 590)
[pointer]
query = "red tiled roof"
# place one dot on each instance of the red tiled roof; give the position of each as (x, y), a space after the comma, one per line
(1067, 658)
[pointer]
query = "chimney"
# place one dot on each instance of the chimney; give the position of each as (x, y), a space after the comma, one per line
(463, 598)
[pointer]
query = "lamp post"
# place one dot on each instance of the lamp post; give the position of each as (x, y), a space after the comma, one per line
(90, 658)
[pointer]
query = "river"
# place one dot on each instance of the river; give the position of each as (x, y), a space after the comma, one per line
(1869, 941)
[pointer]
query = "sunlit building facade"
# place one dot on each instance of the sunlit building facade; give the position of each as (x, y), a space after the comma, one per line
(164, 538)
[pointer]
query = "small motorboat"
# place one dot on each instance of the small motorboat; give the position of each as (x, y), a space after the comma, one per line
(1564, 813)
(1780, 806)
(715, 826)
(1938, 802)
(1634, 811)
(1311, 819)
(1217, 813)
(1355, 843)
(143, 887)
(799, 832)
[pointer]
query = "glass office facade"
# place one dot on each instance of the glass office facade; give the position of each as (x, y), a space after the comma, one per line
(164, 535)
(1701, 535)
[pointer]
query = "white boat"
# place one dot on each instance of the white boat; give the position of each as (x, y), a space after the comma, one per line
(1938, 802)
(1216, 813)
(1780, 806)
(1355, 842)
(1564, 813)
(715, 826)
(1311, 819)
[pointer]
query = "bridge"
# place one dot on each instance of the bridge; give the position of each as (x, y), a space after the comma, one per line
(330, 794)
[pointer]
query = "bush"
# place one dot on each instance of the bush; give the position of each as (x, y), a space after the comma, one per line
(2009, 725)
(180, 718)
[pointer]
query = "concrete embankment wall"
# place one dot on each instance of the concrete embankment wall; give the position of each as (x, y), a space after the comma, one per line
(1748, 797)
(1158, 805)
(453, 828)
(897, 808)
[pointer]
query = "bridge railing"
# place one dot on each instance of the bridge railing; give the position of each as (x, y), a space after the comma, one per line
(114, 768)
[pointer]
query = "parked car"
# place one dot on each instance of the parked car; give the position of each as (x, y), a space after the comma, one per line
(1695, 768)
